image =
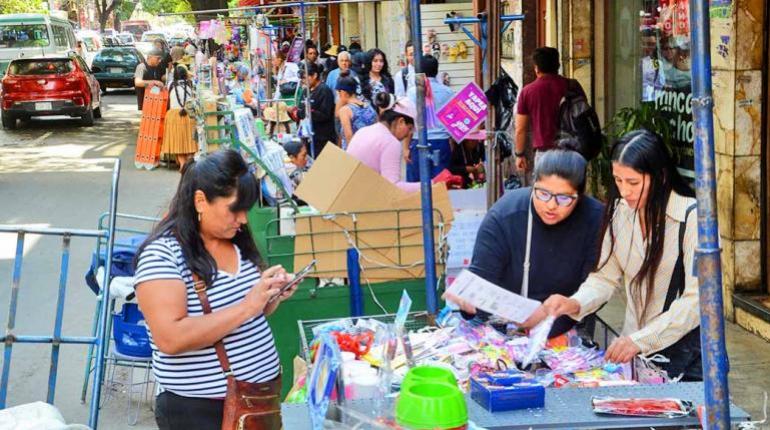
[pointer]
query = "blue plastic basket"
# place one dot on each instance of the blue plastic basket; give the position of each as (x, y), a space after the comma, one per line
(131, 338)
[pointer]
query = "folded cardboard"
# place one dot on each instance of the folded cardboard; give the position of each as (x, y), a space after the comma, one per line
(357, 207)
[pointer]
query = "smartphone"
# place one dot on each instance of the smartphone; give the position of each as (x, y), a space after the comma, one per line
(298, 277)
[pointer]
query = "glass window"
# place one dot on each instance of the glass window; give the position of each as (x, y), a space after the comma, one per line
(23, 35)
(41, 67)
(117, 56)
(59, 36)
(650, 46)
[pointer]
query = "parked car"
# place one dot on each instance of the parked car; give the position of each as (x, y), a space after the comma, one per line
(126, 38)
(42, 86)
(29, 34)
(114, 67)
(151, 36)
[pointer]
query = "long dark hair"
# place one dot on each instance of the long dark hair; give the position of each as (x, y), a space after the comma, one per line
(180, 80)
(387, 79)
(645, 152)
(219, 174)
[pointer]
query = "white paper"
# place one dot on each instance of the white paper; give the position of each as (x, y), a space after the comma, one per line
(490, 298)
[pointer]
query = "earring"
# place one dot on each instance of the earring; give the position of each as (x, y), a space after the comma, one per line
(199, 217)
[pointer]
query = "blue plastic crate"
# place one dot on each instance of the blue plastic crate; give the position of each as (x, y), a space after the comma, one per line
(131, 338)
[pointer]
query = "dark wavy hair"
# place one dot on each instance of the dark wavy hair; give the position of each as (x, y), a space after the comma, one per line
(645, 152)
(387, 78)
(219, 174)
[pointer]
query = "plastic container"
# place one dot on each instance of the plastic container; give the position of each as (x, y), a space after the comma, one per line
(130, 333)
(427, 374)
(431, 406)
(498, 398)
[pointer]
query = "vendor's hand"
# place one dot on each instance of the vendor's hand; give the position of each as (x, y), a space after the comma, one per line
(622, 350)
(539, 315)
(462, 304)
(558, 305)
(156, 84)
(268, 286)
(521, 163)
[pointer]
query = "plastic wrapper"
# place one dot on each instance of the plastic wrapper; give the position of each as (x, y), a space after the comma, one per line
(651, 408)
(538, 337)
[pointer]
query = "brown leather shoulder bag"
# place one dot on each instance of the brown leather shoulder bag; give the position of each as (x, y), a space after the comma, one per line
(248, 405)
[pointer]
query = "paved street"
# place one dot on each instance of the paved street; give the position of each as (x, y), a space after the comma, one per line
(54, 172)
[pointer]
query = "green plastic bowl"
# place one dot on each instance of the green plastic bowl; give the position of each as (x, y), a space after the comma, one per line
(426, 374)
(429, 406)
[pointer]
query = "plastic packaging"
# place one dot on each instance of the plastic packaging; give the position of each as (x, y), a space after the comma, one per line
(656, 408)
(538, 337)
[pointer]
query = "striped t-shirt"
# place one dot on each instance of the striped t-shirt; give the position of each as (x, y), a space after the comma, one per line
(250, 348)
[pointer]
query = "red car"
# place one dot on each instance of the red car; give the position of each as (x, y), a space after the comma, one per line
(49, 86)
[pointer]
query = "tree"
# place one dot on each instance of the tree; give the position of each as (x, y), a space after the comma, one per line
(159, 6)
(103, 10)
(20, 6)
(124, 12)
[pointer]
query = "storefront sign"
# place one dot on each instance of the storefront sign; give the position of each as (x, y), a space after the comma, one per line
(466, 110)
(676, 106)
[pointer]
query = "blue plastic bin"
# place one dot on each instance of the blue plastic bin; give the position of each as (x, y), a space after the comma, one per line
(131, 338)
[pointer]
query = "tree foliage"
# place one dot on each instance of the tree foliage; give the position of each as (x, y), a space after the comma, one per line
(159, 6)
(21, 6)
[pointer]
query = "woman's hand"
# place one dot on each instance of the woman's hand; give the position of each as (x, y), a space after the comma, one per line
(558, 305)
(539, 315)
(622, 350)
(268, 286)
(464, 306)
(272, 306)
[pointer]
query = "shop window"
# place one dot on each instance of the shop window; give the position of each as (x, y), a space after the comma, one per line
(650, 63)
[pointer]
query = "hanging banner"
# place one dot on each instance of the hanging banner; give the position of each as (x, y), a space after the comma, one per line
(295, 52)
(464, 112)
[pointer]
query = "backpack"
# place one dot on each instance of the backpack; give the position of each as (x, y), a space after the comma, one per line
(405, 76)
(579, 120)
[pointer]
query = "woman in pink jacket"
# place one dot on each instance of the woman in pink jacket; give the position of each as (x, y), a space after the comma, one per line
(379, 145)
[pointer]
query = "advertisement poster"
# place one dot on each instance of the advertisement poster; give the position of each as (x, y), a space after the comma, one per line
(464, 112)
(295, 52)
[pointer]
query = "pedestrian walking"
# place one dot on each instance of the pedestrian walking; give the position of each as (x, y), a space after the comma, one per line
(353, 113)
(376, 77)
(179, 127)
(404, 78)
(537, 112)
(649, 240)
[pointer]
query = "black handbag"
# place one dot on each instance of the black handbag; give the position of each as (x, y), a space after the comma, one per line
(288, 89)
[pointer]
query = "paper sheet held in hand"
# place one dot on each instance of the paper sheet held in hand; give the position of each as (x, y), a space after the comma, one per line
(488, 297)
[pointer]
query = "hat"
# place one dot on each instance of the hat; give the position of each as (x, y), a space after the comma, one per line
(334, 50)
(405, 107)
(277, 112)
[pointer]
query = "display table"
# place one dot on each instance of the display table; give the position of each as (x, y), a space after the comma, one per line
(564, 408)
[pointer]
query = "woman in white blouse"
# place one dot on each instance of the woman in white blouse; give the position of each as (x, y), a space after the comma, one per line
(648, 250)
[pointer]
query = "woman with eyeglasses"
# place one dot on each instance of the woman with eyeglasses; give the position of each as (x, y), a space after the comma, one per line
(648, 250)
(565, 227)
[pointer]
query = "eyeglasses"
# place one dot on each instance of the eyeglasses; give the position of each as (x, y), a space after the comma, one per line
(562, 200)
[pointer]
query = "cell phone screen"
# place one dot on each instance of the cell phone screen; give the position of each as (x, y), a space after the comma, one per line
(298, 277)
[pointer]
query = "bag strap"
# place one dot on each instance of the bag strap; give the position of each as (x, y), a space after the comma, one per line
(200, 288)
(676, 286)
(525, 273)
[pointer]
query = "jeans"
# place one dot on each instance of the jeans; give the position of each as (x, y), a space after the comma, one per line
(413, 167)
(175, 412)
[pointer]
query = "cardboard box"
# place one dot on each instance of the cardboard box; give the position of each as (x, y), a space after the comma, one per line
(360, 208)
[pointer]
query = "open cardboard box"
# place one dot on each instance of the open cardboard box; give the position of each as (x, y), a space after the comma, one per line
(357, 207)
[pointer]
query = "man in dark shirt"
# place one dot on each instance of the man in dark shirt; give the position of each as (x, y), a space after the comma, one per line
(321, 110)
(538, 107)
(148, 75)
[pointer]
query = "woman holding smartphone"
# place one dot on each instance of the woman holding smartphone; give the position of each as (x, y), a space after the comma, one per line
(648, 250)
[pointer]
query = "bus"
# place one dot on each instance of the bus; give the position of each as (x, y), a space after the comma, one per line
(34, 34)
(136, 27)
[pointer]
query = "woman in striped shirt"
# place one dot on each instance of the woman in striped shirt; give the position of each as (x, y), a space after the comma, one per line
(205, 233)
(648, 250)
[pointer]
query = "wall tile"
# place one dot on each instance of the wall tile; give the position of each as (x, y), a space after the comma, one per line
(725, 194)
(723, 88)
(723, 40)
(728, 275)
(749, 18)
(748, 112)
(747, 212)
(747, 265)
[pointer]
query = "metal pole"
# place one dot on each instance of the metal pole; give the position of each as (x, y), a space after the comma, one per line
(425, 164)
(713, 349)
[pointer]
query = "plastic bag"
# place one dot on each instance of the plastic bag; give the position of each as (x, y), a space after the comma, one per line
(538, 337)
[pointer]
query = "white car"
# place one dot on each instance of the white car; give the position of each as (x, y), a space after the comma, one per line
(151, 36)
(126, 38)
